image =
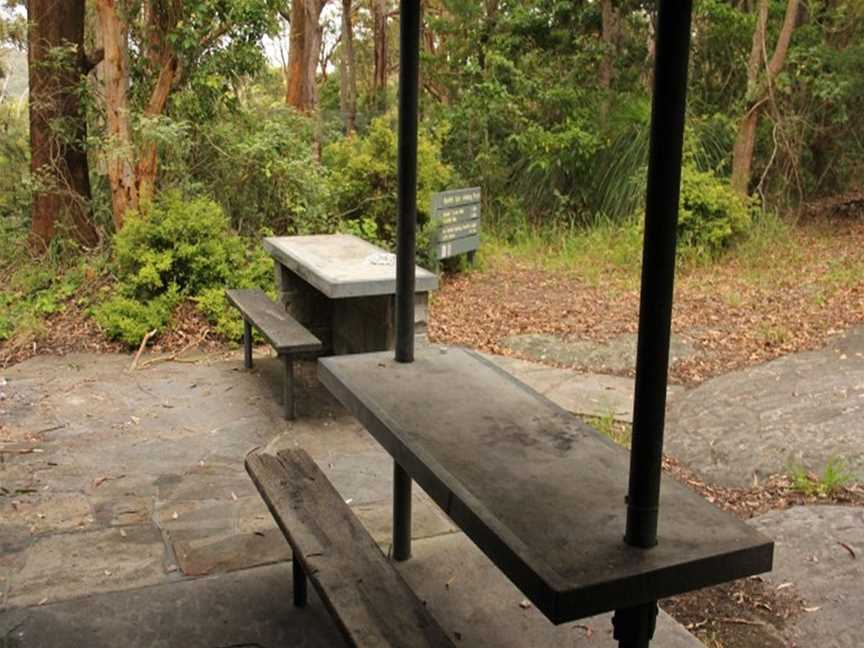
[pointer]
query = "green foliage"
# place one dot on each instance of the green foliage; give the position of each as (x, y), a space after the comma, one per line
(33, 289)
(834, 478)
(14, 162)
(711, 216)
(257, 163)
(364, 180)
(177, 249)
(608, 426)
(127, 319)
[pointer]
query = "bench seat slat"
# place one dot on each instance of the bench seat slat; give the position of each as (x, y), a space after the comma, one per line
(283, 332)
(366, 595)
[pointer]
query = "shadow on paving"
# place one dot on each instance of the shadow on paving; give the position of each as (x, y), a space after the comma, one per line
(129, 519)
(471, 599)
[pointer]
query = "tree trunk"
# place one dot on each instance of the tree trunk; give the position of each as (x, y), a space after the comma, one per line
(304, 44)
(115, 76)
(381, 56)
(145, 171)
(759, 89)
(58, 125)
(610, 34)
(348, 72)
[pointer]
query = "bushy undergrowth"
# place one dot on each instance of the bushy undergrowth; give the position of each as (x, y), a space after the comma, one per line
(711, 216)
(31, 290)
(364, 180)
(259, 165)
(178, 249)
(15, 183)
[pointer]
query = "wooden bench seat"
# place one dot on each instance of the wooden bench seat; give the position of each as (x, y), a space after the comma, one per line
(368, 598)
(285, 334)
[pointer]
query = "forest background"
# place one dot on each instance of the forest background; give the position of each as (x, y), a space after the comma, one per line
(158, 140)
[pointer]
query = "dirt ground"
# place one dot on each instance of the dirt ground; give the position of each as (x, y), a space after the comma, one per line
(736, 312)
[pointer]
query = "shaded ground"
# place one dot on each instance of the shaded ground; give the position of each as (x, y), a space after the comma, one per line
(127, 517)
(737, 313)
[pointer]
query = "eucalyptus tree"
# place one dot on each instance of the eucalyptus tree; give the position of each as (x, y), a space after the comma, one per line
(151, 49)
(57, 66)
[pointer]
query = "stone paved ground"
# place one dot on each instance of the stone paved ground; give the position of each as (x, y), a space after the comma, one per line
(126, 512)
(618, 355)
(589, 394)
(820, 553)
(802, 409)
(127, 517)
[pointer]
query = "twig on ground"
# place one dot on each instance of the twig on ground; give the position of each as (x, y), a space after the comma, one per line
(738, 621)
(141, 349)
(176, 355)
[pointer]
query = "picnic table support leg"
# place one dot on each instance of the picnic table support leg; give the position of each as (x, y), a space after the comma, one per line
(300, 583)
(634, 626)
(247, 344)
(401, 513)
(288, 388)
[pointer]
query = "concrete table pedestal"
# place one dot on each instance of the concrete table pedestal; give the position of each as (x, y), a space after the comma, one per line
(343, 290)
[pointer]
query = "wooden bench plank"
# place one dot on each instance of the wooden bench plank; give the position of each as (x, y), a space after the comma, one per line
(283, 332)
(366, 595)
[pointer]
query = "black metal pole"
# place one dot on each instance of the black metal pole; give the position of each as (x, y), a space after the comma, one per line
(401, 513)
(406, 230)
(634, 626)
(406, 242)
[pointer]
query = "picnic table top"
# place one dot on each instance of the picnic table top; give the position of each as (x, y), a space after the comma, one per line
(342, 265)
(537, 490)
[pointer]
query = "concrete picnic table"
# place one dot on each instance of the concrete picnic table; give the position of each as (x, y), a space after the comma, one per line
(343, 288)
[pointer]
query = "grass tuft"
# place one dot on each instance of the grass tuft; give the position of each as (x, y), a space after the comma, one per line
(834, 478)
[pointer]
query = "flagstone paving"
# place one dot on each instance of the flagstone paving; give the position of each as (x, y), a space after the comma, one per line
(126, 511)
(128, 519)
(803, 409)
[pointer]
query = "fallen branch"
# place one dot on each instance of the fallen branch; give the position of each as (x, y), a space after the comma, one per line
(141, 349)
(176, 355)
(738, 621)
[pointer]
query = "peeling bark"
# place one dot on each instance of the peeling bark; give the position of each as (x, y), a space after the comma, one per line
(115, 77)
(303, 49)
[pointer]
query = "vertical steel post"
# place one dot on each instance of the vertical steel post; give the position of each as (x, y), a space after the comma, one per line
(634, 627)
(406, 242)
(301, 594)
(401, 513)
(288, 388)
(247, 344)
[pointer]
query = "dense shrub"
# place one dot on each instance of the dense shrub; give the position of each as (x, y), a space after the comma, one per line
(364, 179)
(711, 216)
(259, 164)
(14, 161)
(177, 249)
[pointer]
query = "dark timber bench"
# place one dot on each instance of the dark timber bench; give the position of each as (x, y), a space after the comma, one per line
(367, 597)
(285, 334)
